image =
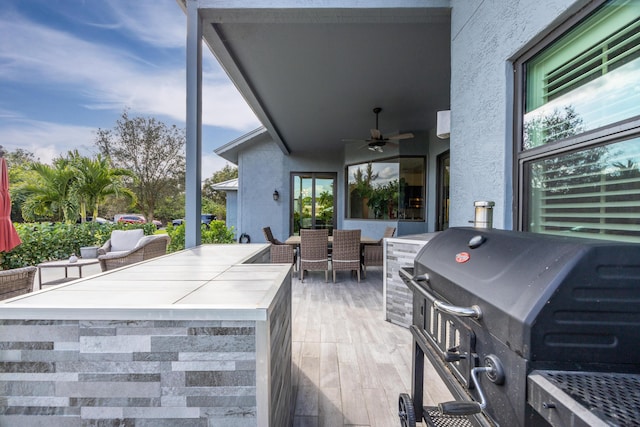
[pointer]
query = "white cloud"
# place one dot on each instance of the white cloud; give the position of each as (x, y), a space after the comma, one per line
(47, 140)
(111, 78)
(31, 136)
(164, 26)
(212, 163)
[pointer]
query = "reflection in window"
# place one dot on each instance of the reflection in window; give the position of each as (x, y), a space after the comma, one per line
(586, 184)
(313, 202)
(590, 193)
(587, 79)
(390, 189)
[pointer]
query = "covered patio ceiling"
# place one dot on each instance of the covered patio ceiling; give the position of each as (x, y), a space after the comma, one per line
(313, 74)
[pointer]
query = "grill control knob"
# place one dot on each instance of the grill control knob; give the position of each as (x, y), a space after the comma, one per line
(495, 371)
(476, 241)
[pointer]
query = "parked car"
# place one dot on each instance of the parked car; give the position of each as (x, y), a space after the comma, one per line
(207, 218)
(98, 219)
(204, 219)
(129, 218)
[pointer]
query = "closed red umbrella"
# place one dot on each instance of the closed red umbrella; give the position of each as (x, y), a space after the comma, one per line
(9, 238)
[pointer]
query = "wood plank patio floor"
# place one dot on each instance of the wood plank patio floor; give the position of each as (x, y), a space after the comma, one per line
(349, 364)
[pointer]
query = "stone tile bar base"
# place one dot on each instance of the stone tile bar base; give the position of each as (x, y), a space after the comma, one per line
(141, 373)
(201, 364)
(398, 299)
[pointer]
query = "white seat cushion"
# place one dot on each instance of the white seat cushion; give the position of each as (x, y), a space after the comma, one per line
(125, 240)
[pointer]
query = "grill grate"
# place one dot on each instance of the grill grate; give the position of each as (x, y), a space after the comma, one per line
(614, 398)
(434, 418)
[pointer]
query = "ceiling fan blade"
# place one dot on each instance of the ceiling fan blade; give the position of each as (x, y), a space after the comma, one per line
(407, 135)
(354, 140)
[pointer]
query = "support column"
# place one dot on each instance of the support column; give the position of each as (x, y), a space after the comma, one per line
(193, 184)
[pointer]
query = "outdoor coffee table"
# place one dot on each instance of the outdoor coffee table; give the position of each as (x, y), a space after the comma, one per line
(81, 262)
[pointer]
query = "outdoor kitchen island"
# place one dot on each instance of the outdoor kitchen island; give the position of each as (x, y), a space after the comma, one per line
(201, 337)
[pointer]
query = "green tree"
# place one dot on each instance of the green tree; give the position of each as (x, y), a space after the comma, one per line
(19, 166)
(215, 201)
(360, 189)
(97, 180)
(51, 196)
(224, 174)
(152, 151)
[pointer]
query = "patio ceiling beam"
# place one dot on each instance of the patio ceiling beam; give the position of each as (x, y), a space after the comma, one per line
(215, 40)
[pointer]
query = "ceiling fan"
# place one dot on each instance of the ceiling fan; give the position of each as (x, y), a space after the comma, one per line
(378, 140)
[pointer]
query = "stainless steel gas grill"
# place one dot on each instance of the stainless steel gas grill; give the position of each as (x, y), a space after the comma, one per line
(526, 330)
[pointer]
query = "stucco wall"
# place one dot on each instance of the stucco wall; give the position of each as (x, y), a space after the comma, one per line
(261, 171)
(485, 36)
(232, 211)
(263, 168)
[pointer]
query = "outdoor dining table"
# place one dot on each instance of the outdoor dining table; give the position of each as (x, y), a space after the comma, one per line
(364, 240)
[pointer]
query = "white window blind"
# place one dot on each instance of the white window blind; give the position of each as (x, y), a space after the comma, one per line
(591, 193)
(587, 79)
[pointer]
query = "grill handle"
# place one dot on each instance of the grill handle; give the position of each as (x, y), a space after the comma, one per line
(459, 408)
(468, 408)
(454, 310)
(473, 311)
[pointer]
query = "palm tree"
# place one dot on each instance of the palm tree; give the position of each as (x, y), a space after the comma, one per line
(97, 180)
(52, 196)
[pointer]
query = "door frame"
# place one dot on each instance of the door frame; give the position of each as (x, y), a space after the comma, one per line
(313, 175)
(441, 202)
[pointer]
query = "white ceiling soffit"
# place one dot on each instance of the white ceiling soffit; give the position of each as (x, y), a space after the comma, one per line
(312, 75)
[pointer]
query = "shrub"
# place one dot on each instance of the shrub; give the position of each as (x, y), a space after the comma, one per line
(215, 232)
(51, 241)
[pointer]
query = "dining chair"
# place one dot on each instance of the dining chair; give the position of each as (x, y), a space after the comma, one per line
(346, 252)
(372, 254)
(314, 254)
(269, 236)
(282, 254)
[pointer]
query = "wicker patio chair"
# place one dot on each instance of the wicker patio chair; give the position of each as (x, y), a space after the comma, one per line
(269, 236)
(16, 281)
(147, 247)
(121, 241)
(372, 254)
(346, 252)
(314, 254)
(282, 254)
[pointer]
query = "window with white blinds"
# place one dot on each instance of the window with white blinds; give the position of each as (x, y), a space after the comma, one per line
(590, 193)
(587, 79)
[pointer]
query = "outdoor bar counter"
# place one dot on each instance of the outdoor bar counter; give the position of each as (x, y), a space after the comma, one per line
(201, 337)
(398, 299)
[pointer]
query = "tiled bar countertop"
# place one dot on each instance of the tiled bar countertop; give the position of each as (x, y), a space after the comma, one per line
(197, 338)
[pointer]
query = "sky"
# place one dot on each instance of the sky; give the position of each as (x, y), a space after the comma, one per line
(70, 67)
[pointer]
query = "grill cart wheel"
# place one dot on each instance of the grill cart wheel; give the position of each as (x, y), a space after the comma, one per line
(405, 411)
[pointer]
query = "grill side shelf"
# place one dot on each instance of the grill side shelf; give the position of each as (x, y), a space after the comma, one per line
(585, 399)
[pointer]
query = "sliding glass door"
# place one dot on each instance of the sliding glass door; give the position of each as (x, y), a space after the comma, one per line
(313, 201)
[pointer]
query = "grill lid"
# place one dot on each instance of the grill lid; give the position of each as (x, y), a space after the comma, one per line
(546, 297)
